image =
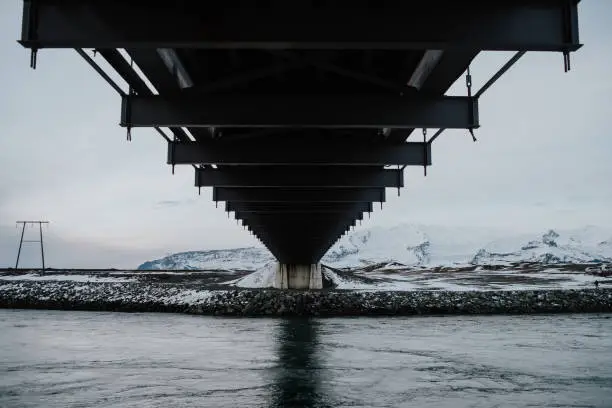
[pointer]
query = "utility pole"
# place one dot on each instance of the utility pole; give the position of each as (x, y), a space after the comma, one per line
(21, 241)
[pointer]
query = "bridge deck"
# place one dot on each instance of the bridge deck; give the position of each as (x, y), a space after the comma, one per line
(293, 111)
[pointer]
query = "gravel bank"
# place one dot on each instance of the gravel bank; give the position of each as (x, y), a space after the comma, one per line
(139, 297)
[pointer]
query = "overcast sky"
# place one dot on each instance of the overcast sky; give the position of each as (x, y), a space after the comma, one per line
(542, 160)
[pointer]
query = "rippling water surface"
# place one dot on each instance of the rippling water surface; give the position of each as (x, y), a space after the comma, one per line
(91, 359)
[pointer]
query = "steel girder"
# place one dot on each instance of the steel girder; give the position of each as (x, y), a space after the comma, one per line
(294, 176)
(293, 152)
(298, 195)
(529, 25)
(291, 208)
(298, 222)
(321, 111)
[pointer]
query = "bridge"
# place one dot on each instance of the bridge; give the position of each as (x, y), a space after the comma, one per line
(299, 114)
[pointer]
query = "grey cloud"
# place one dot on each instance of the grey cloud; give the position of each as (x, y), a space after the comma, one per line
(171, 203)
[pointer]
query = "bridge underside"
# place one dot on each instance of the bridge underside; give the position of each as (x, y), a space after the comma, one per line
(297, 114)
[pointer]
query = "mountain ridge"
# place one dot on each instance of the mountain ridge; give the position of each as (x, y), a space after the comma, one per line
(421, 246)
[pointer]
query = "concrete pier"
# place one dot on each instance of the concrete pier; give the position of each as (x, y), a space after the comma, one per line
(294, 276)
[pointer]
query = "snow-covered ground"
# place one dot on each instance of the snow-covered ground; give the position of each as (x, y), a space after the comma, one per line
(261, 278)
(461, 280)
(451, 279)
(74, 277)
(382, 277)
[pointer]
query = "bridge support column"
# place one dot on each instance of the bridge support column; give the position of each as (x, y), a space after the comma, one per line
(298, 276)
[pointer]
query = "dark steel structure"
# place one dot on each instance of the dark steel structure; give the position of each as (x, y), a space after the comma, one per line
(294, 111)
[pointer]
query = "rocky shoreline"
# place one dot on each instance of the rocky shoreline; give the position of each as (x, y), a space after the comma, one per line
(136, 297)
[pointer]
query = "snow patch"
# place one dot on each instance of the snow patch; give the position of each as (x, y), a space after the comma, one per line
(343, 283)
(261, 278)
(189, 297)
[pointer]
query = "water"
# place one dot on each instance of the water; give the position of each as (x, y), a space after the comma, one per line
(91, 359)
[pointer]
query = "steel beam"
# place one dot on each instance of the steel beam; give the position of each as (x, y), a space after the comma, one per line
(164, 80)
(312, 246)
(527, 25)
(311, 243)
(297, 207)
(287, 222)
(298, 235)
(312, 177)
(318, 111)
(311, 222)
(130, 76)
(295, 212)
(290, 236)
(289, 152)
(269, 230)
(450, 67)
(333, 227)
(425, 67)
(302, 195)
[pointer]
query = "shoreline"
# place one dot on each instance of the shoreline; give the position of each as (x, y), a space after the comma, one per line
(194, 299)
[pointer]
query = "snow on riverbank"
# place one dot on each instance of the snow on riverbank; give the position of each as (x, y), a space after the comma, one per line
(64, 277)
(475, 279)
(462, 280)
(381, 278)
(261, 278)
(537, 289)
(130, 294)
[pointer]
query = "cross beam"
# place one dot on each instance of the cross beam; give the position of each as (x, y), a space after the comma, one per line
(298, 207)
(322, 229)
(293, 152)
(302, 195)
(324, 234)
(299, 222)
(312, 111)
(334, 231)
(521, 25)
(315, 177)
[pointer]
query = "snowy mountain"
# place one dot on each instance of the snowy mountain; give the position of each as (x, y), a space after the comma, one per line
(414, 245)
(236, 259)
(417, 245)
(552, 247)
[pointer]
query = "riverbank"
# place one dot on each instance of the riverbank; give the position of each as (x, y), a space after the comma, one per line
(155, 297)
